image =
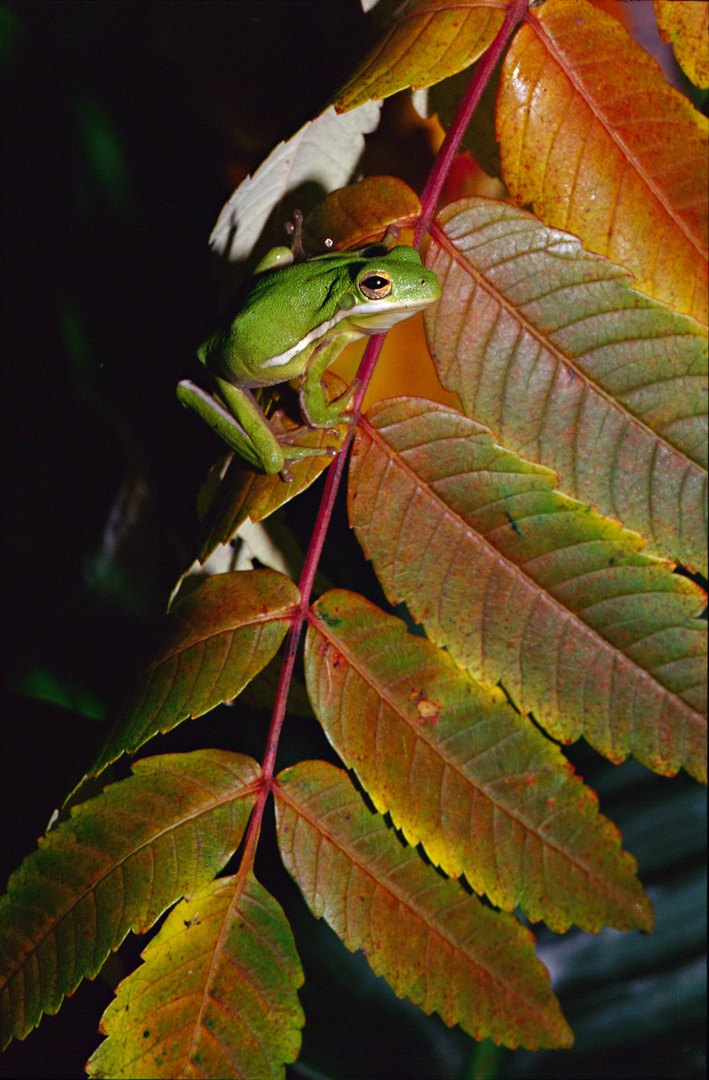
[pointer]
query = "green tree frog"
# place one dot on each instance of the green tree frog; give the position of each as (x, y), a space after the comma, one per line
(295, 320)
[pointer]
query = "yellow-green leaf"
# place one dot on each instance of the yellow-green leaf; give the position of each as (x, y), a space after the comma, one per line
(116, 865)
(427, 41)
(215, 640)
(216, 996)
(685, 23)
(592, 135)
(463, 773)
(530, 588)
(429, 938)
(549, 346)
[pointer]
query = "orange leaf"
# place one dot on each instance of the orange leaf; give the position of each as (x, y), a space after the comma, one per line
(361, 213)
(463, 773)
(116, 865)
(593, 136)
(526, 586)
(432, 941)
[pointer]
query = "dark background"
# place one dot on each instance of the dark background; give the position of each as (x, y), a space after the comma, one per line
(127, 127)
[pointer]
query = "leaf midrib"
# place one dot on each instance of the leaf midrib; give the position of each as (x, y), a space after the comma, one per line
(394, 455)
(549, 43)
(201, 638)
(552, 350)
(244, 793)
(507, 811)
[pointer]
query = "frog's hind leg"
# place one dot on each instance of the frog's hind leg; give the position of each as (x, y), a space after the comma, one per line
(244, 427)
(259, 447)
(271, 446)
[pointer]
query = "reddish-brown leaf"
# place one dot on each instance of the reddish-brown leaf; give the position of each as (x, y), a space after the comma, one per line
(548, 345)
(429, 938)
(361, 213)
(463, 773)
(530, 588)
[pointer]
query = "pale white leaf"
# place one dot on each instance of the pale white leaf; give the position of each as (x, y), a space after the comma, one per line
(324, 152)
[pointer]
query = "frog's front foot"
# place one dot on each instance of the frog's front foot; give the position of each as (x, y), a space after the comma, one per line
(321, 414)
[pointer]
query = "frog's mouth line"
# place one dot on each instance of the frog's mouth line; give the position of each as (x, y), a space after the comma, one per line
(371, 322)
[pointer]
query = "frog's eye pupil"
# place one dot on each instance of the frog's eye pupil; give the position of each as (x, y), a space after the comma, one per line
(376, 285)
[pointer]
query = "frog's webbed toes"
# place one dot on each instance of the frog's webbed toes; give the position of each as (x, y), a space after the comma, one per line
(321, 414)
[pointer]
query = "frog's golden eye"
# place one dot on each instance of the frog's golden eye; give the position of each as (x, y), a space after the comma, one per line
(376, 285)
